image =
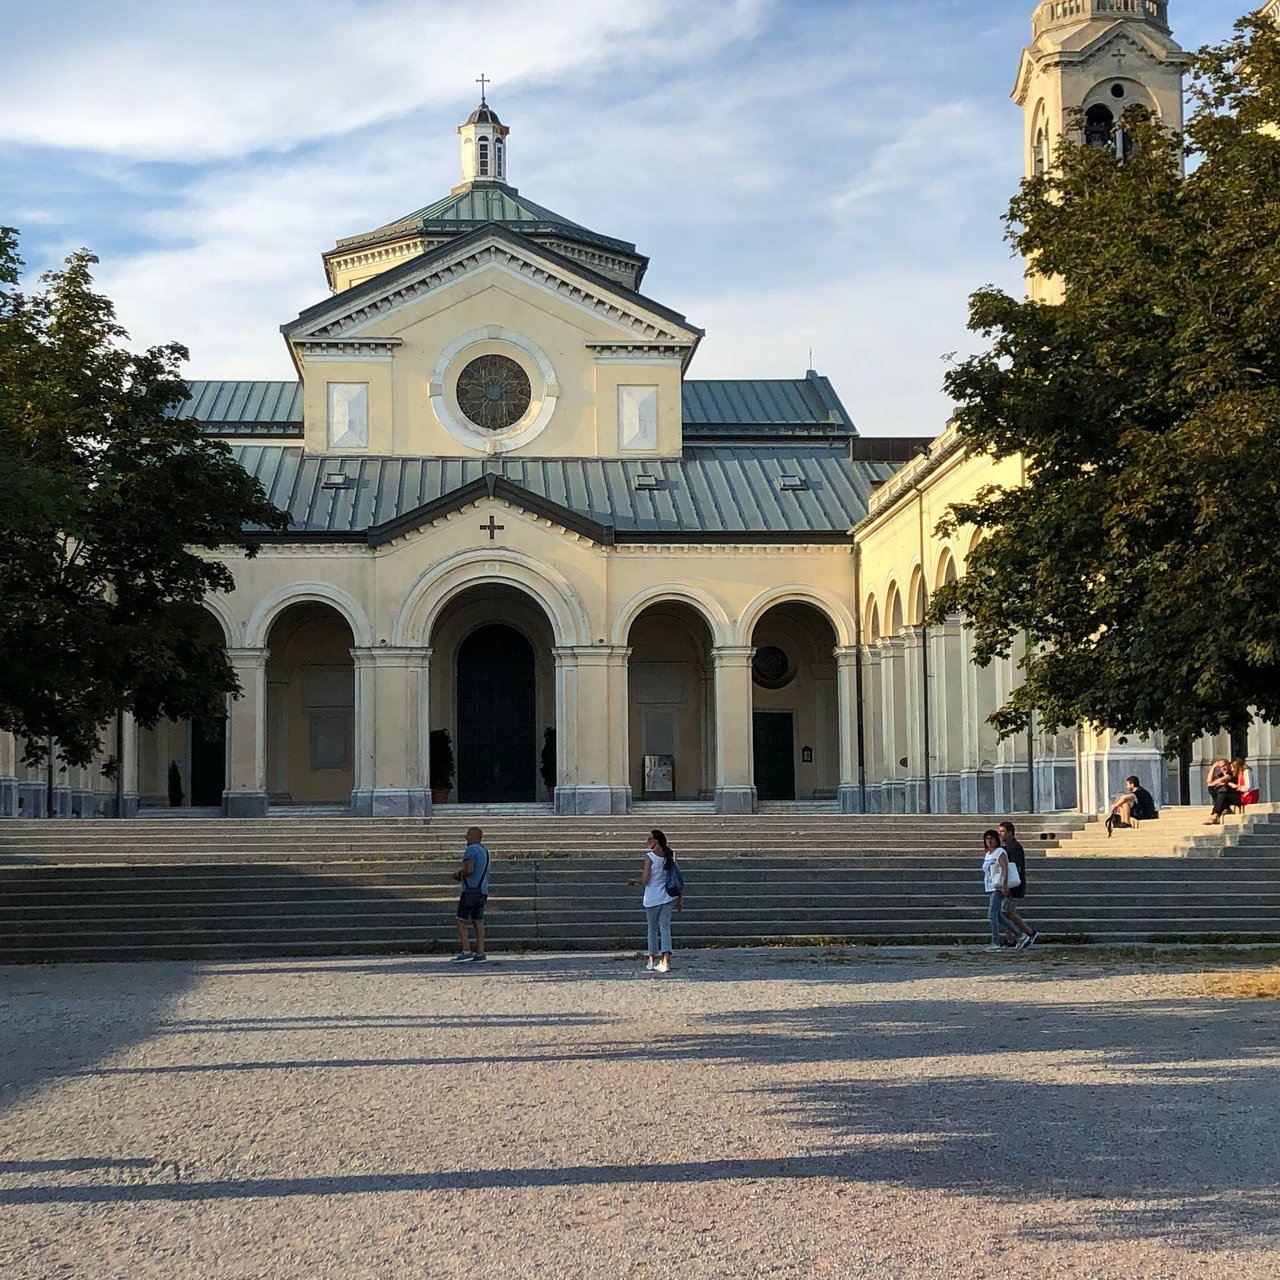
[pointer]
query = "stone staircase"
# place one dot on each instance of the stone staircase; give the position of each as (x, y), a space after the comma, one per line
(317, 886)
(1179, 832)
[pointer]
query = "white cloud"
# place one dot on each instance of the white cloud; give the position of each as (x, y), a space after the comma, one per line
(191, 82)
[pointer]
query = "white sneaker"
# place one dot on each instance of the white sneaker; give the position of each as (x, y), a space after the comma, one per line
(996, 948)
(649, 968)
(661, 966)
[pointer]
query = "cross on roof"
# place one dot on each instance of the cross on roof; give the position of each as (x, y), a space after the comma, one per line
(482, 80)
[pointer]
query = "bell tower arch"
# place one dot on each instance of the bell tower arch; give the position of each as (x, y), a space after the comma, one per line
(1100, 58)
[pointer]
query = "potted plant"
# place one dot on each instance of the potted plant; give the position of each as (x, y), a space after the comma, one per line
(547, 762)
(440, 763)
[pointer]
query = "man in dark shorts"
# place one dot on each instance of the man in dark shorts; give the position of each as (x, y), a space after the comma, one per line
(1134, 803)
(1017, 857)
(473, 875)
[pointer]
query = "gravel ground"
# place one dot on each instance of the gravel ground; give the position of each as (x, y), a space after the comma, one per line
(788, 1113)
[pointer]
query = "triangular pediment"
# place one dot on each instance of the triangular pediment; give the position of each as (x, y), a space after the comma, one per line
(348, 317)
(497, 489)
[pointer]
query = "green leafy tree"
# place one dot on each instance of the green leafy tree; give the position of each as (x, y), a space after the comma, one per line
(1141, 559)
(106, 503)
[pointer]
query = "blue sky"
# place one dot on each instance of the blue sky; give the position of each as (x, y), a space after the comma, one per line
(824, 174)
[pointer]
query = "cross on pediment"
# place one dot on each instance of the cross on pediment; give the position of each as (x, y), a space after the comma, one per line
(482, 80)
(491, 528)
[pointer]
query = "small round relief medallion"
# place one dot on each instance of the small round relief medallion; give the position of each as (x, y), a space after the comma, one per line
(494, 392)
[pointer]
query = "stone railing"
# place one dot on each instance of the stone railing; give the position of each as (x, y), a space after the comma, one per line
(1056, 13)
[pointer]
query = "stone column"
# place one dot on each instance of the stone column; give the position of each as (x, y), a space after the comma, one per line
(847, 792)
(128, 766)
(873, 731)
(8, 776)
(913, 689)
(391, 737)
(893, 719)
(1107, 759)
(735, 764)
(1264, 758)
(246, 793)
(591, 724)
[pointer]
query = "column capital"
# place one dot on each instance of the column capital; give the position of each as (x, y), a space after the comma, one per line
(569, 653)
(733, 655)
(392, 655)
(247, 657)
(846, 655)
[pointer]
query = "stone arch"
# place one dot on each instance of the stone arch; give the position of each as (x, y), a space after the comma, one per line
(438, 585)
(916, 600)
(946, 570)
(711, 611)
(871, 621)
(829, 606)
(271, 606)
(893, 618)
(223, 616)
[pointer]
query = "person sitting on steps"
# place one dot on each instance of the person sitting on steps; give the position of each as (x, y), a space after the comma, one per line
(1240, 791)
(1135, 803)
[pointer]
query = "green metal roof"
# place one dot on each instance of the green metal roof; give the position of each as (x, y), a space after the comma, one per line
(764, 407)
(485, 202)
(245, 408)
(747, 408)
(733, 493)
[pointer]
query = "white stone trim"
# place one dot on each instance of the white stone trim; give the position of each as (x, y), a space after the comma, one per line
(271, 606)
(831, 607)
(437, 585)
(707, 607)
(477, 342)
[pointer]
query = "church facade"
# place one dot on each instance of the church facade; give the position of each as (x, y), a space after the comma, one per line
(522, 527)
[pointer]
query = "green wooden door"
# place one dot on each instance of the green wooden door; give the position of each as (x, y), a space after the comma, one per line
(497, 729)
(775, 755)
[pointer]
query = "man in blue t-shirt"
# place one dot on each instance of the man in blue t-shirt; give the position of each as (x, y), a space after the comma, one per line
(473, 875)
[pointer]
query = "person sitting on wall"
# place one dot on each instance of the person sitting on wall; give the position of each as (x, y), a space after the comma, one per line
(1133, 804)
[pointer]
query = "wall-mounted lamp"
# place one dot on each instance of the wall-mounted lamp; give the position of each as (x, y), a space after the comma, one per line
(806, 755)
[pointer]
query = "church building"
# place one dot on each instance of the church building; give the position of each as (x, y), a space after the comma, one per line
(521, 526)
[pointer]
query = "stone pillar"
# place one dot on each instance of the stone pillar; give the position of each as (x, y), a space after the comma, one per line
(735, 703)
(591, 724)
(847, 792)
(913, 688)
(874, 755)
(946, 665)
(1107, 759)
(246, 793)
(977, 773)
(1264, 758)
(128, 764)
(391, 736)
(894, 720)
(8, 776)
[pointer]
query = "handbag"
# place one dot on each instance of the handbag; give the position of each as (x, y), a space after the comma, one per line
(1014, 878)
(675, 881)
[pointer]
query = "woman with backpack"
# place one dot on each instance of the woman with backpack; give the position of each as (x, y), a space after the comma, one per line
(662, 884)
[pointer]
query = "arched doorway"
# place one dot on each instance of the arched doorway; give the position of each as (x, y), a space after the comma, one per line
(311, 707)
(671, 704)
(795, 712)
(497, 717)
(184, 762)
(493, 691)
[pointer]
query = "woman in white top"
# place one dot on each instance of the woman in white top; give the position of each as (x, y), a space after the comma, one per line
(995, 880)
(658, 903)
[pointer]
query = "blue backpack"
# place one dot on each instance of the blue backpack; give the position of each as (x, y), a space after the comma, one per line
(675, 881)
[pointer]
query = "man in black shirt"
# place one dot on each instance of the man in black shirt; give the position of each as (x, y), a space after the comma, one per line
(1134, 802)
(1018, 858)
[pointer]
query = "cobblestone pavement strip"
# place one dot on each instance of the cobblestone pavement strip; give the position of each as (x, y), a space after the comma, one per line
(775, 1113)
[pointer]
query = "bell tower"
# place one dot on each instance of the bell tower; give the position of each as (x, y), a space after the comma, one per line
(1099, 57)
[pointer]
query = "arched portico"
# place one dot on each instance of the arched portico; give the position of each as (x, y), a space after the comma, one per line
(671, 701)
